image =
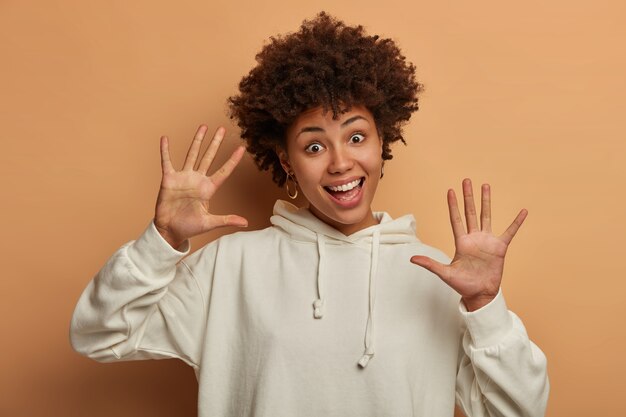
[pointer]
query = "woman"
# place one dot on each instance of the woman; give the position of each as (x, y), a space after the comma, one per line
(322, 313)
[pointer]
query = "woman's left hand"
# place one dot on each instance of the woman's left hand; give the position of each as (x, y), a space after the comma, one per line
(476, 270)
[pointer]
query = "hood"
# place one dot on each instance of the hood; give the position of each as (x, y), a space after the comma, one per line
(300, 224)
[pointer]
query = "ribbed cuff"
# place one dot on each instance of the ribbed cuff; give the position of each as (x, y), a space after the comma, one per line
(489, 324)
(151, 252)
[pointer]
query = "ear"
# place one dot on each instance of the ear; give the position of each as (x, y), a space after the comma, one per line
(284, 159)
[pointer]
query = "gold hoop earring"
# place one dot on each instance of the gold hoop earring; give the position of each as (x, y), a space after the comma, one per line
(382, 170)
(295, 187)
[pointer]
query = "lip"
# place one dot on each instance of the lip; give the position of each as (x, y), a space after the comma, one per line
(342, 182)
(348, 204)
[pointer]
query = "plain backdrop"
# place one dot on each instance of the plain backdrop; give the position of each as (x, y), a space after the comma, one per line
(528, 96)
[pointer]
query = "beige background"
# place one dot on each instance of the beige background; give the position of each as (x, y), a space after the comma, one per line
(527, 96)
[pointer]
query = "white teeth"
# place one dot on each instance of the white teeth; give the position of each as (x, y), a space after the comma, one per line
(345, 187)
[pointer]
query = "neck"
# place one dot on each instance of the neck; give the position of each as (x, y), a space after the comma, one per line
(346, 228)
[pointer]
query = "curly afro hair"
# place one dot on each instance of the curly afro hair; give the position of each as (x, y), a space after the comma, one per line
(328, 64)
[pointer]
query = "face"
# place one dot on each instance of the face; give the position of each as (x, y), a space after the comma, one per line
(337, 165)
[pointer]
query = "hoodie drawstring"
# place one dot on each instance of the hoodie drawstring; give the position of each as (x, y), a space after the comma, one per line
(318, 304)
(301, 225)
(369, 330)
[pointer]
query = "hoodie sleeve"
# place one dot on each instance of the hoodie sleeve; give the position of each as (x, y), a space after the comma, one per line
(500, 371)
(144, 304)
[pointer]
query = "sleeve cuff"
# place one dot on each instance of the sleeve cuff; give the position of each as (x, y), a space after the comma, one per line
(489, 324)
(152, 253)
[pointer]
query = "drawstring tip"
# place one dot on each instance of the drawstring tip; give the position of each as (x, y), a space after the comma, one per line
(318, 312)
(365, 360)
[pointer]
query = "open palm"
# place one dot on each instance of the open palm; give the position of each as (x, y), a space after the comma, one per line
(476, 269)
(182, 208)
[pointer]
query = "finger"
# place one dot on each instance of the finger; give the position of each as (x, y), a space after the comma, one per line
(510, 232)
(485, 208)
(470, 210)
(194, 149)
(226, 220)
(209, 154)
(224, 172)
(166, 163)
(455, 215)
(437, 268)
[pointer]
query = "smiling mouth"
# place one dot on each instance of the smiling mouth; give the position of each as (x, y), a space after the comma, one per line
(347, 191)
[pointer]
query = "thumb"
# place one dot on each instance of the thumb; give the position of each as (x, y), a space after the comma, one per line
(437, 268)
(226, 220)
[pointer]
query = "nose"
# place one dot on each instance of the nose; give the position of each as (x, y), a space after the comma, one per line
(340, 160)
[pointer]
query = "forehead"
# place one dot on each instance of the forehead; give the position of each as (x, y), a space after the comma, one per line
(317, 116)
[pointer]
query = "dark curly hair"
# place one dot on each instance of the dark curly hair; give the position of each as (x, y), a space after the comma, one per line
(328, 64)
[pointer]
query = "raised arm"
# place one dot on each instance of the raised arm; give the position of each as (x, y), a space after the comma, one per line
(145, 303)
(500, 371)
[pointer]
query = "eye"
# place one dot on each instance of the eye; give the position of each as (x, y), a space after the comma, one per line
(314, 148)
(357, 138)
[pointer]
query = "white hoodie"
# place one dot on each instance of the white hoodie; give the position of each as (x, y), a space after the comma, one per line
(300, 320)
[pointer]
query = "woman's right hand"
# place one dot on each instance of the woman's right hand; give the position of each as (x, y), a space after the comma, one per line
(182, 208)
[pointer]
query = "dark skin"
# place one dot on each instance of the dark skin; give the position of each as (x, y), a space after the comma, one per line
(182, 211)
(182, 208)
(476, 269)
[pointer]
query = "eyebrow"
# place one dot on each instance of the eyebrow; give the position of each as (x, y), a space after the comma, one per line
(319, 129)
